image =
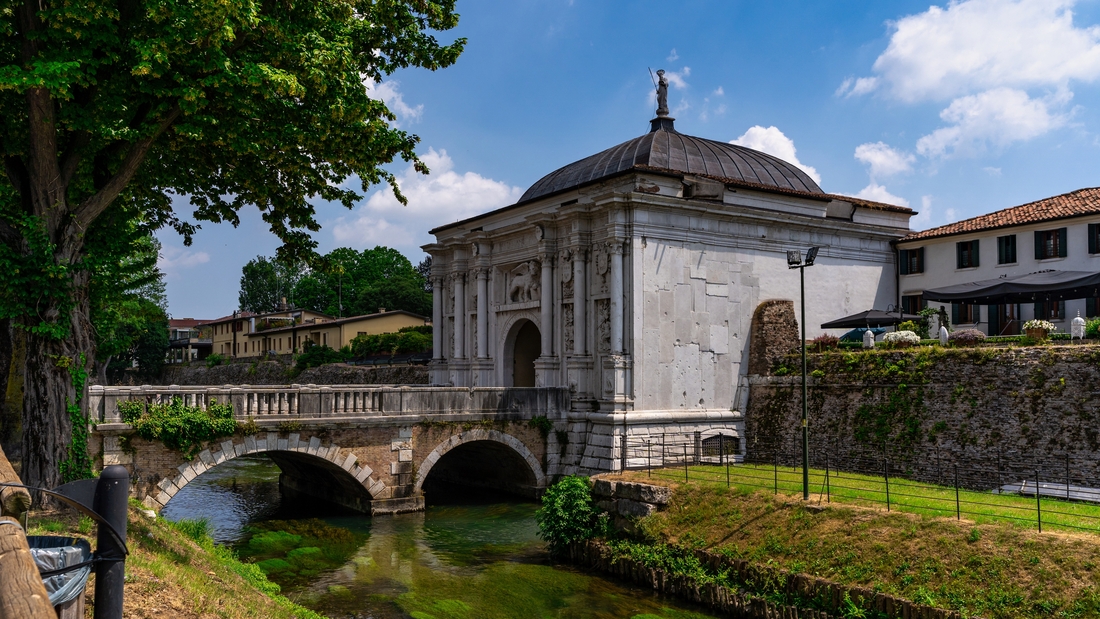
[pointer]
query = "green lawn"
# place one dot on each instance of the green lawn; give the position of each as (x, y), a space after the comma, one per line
(904, 495)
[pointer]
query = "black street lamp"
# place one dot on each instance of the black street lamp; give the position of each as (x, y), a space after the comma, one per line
(794, 261)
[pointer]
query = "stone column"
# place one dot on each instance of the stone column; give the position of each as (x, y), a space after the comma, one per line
(438, 290)
(460, 315)
(580, 298)
(615, 248)
(546, 307)
(482, 313)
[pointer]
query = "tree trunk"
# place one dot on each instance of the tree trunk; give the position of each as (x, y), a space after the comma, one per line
(48, 439)
(13, 350)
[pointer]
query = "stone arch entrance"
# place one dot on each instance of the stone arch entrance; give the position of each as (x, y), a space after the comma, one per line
(483, 459)
(307, 466)
(521, 348)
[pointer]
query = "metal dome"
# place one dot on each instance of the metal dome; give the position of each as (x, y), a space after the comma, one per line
(664, 147)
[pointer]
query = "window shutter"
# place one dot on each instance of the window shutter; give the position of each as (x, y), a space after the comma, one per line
(1062, 245)
(1038, 245)
(958, 255)
(994, 320)
(1093, 229)
(1001, 242)
(904, 261)
(920, 260)
(974, 253)
(954, 313)
(1062, 307)
(1040, 312)
(1090, 307)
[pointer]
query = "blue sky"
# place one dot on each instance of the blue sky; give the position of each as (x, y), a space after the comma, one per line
(954, 109)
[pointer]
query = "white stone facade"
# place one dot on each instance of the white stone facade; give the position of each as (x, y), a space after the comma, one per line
(643, 298)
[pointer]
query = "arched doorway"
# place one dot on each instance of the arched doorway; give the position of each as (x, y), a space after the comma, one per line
(526, 347)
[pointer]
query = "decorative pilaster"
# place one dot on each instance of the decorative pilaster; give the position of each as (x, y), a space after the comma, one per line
(482, 275)
(438, 290)
(615, 249)
(580, 299)
(546, 304)
(460, 315)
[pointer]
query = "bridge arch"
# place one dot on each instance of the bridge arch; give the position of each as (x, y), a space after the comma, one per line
(494, 440)
(296, 454)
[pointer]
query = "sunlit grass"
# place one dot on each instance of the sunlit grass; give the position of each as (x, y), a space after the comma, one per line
(904, 495)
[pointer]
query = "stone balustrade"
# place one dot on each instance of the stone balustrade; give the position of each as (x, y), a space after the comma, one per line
(340, 401)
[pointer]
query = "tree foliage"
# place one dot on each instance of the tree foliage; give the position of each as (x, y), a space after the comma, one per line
(568, 514)
(227, 103)
(352, 283)
(265, 283)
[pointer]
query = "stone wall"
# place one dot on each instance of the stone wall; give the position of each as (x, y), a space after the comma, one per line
(999, 414)
(277, 373)
(774, 334)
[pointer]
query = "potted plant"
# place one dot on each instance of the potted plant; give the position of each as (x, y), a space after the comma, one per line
(1038, 329)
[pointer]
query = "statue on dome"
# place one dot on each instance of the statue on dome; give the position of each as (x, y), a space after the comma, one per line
(662, 93)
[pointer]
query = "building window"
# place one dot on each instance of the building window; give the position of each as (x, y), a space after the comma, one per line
(966, 254)
(912, 261)
(1050, 310)
(1006, 249)
(1094, 238)
(964, 314)
(912, 303)
(1050, 244)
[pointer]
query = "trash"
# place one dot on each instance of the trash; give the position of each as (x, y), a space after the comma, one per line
(53, 553)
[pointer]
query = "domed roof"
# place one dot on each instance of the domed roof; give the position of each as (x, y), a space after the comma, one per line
(664, 147)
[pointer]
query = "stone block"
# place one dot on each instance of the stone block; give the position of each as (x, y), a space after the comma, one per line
(637, 509)
(608, 506)
(227, 450)
(314, 445)
(117, 458)
(398, 445)
(379, 490)
(292, 442)
(405, 455)
(261, 442)
(206, 457)
(163, 499)
(239, 449)
(364, 473)
(249, 444)
(405, 432)
(604, 488)
(645, 493)
(349, 461)
(282, 444)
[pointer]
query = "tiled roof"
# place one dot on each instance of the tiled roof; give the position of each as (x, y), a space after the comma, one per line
(185, 323)
(1072, 204)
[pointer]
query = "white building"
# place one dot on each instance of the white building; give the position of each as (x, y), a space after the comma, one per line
(631, 277)
(1060, 233)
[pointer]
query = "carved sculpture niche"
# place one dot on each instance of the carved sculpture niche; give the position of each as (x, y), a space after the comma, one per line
(523, 282)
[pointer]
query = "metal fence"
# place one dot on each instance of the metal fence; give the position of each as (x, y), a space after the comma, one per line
(1051, 491)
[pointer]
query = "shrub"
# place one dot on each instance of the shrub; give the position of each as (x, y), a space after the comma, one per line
(901, 339)
(181, 427)
(567, 514)
(314, 355)
(214, 359)
(966, 337)
(824, 342)
(910, 325)
(407, 340)
(1035, 323)
(1092, 328)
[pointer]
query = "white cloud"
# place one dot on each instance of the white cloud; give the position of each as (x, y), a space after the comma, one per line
(676, 78)
(390, 95)
(772, 141)
(878, 193)
(951, 215)
(882, 160)
(719, 92)
(438, 198)
(673, 56)
(853, 87)
(983, 44)
(172, 260)
(923, 218)
(992, 171)
(995, 117)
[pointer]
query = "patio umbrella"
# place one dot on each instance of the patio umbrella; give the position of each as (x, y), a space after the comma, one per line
(1039, 286)
(869, 318)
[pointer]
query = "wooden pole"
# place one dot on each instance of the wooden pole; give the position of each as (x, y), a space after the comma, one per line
(22, 594)
(14, 502)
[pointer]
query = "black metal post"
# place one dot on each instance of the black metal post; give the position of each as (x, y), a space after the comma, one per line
(685, 463)
(958, 509)
(111, 494)
(1067, 476)
(1038, 504)
(775, 470)
(805, 425)
(828, 490)
(726, 456)
(886, 471)
(649, 458)
(622, 455)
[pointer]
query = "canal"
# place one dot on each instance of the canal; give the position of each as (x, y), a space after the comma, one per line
(468, 556)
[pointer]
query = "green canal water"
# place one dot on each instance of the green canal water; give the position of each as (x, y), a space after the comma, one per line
(475, 559)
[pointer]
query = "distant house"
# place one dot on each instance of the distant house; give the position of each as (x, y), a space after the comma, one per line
(1060, 233)
(245, 334)
(188, 340)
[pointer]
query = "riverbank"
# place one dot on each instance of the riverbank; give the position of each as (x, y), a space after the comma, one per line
(990, 570)
(177, 571)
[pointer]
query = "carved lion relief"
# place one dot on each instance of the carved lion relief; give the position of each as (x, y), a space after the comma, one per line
(524, 282)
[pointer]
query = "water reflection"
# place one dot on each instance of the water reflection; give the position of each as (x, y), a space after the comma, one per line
(481, 560)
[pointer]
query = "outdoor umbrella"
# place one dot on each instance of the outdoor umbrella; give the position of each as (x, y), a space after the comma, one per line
(870, 318)
(1039, 286)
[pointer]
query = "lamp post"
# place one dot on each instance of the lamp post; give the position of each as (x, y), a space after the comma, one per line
(794, 261)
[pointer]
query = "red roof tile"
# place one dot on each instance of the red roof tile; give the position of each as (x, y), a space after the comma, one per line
(1072, 204)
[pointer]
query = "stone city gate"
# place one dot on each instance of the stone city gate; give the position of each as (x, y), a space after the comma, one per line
(374, 449)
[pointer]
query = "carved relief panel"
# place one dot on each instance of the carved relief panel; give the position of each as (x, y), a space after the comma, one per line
(603, 267)
(566, 262)
(603, 325)
(524, 281)
(567, 325)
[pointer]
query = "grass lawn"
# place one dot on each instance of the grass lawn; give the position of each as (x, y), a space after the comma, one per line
(992, 563)
(905, 495)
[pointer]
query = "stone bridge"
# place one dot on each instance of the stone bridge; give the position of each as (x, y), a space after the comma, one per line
(382, 449)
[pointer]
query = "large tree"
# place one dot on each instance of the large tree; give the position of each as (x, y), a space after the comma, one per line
(350, 283)
(249, 102)
(265, 283)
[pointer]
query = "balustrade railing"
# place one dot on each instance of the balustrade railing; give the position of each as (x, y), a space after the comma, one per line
(319, 401)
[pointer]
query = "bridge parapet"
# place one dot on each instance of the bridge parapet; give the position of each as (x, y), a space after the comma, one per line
(341, 401)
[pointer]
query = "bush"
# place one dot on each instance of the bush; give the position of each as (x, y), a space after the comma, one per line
(407, 340)
(824, 342)
(910, 325)
(1092, 328)
(314, 355)
(568, 514)
(214, 359)
(178, 426)
(901, 339)
(966, 337)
